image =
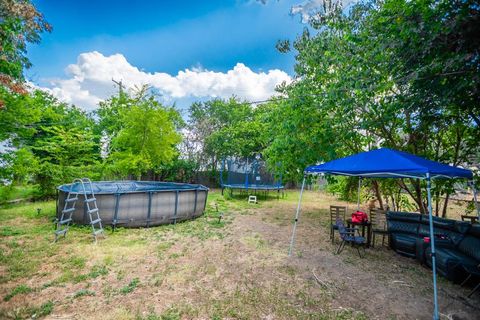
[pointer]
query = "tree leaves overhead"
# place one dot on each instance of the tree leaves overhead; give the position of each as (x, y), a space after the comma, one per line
(20, 24)
(395, 73)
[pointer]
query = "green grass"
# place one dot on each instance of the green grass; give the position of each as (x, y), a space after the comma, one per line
(6, 231)
(177, 258)
(70, 276)
(83, 292)
(97, 271)
(30, 211)
(8, 193)
(28, 312)
(130, 287)
(21, 289)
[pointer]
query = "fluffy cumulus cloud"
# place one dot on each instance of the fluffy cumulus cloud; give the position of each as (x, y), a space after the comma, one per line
(312, 8)
(90, 80)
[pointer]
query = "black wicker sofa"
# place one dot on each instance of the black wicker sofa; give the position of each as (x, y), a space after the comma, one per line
(457, 243)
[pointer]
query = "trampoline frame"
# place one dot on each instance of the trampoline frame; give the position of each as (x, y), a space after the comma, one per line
(246, 187)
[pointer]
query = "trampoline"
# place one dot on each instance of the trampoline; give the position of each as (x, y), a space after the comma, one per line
(249, 176)
(139, 203)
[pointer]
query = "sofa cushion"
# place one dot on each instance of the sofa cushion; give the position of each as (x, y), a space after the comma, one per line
(474, 230)
(404, 216)
(405, 243)
(441, 223)
(470, 246)
(395, 226)
(449, 262)
(424, 231)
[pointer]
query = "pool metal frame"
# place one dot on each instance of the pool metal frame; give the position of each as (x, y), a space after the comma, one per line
(119, 194)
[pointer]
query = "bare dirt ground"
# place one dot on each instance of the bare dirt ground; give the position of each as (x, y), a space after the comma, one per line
(202, 269)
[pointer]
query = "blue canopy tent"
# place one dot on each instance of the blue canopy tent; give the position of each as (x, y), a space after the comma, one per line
(387, 163)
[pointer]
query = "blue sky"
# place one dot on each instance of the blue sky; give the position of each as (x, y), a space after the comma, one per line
(233, 39)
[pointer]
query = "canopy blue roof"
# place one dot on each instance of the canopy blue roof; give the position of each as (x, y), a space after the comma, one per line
(388, 163)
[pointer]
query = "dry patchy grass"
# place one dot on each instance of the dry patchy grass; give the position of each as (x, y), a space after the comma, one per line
(203, 269)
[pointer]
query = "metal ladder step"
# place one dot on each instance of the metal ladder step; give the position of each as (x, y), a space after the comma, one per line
(96, 221)
(68, 210)
(98, 231)
(79, 187)
(65, 221)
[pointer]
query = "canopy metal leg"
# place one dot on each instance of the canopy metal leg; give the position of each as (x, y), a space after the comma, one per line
(475, 198)
(358, 193)
(432, 241)
(296, 218)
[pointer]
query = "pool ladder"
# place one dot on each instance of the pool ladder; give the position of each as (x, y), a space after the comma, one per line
(90, 205)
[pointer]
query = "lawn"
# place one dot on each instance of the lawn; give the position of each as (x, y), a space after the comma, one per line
(235, 269)
(17, 193)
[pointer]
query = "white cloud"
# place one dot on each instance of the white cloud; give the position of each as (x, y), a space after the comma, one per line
(313, 8)
(90, 81)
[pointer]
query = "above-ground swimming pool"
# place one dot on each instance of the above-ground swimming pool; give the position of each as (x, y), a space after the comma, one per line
(138, 203)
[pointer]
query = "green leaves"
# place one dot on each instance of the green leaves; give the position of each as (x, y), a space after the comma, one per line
(227, 128)
(51, 142)
(400, 74)
(20, 23)
(141, 132)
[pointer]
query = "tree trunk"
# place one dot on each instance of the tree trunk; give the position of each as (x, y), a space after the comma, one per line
(378, 194)
(445, 205)
(398, 201)
(418, 196)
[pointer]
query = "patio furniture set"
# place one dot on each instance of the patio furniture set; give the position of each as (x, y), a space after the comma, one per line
(393, 164)
(458, 242)
(358, 234)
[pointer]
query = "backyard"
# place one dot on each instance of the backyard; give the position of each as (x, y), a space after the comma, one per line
(234, 269)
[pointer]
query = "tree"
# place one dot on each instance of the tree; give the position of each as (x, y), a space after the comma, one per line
(141, 133)
(20, 24)
(48, 142)
(392, 73)
(221, 128)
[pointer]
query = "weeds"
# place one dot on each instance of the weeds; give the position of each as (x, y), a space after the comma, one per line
(97, 271)
(83, 292)
(21, 289)
(221, 278)
(42, 311)
(130, 287)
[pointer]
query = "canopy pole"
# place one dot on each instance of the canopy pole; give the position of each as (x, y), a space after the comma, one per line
(475, 199)
(296, 217)
(432, 241)
(358, 192)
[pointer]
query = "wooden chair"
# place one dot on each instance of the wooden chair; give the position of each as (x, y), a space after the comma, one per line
(379, 224)
(336, 212)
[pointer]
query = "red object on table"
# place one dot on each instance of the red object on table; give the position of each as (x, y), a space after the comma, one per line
(359, 217)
